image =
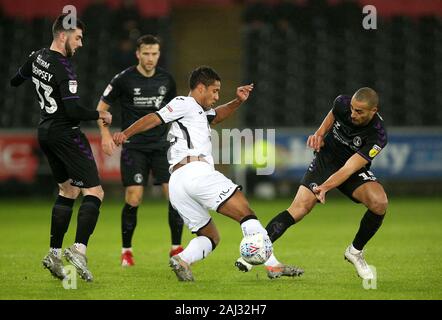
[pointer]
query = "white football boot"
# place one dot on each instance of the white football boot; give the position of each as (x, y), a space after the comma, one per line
(356, 257)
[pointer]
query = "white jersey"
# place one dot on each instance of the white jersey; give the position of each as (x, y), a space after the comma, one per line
(190, 133)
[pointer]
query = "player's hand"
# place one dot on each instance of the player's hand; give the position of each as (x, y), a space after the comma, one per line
(119, 138)
(243, 92)
(320, 193)
(106, 116)
(315, 142)
(108, 145)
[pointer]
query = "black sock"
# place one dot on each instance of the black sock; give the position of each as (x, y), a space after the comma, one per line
(87, 218)
(277, 226)
(61, 216)
(370, 223)
(176, 225)
(128, 224)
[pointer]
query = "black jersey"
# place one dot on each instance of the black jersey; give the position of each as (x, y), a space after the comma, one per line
(140, 95)
(55, 82)
(345, 139)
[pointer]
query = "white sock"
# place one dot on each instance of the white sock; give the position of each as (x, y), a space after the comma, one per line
(353, 250)
(197, 249)
(272, 262)
(124, 250)
(252, 226)
(56, 252)
(80, 247)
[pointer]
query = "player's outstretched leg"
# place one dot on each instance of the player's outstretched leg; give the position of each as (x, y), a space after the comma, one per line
(197, 249)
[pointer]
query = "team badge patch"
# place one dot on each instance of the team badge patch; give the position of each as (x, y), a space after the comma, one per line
(374, 151)
(73, 86)
(357, 141)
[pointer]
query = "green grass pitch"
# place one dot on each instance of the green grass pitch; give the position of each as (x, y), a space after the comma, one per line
(406, 252)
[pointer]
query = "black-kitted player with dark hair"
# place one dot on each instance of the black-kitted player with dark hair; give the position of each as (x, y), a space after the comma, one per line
(141, 89)
(349, 138)
(65, 146)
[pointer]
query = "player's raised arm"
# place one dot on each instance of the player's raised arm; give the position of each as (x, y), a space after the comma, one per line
(224, 111)
(316, 140)
(145, 123)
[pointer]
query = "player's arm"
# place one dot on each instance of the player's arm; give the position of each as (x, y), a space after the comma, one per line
(224, 111)
(107, 143)
(352, 165)
(145, 123)
(23, 73)
(316, 140)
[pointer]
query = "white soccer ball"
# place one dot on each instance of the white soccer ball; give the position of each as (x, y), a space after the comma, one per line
(256, 248)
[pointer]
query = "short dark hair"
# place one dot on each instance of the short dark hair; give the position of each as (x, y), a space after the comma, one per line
(367, 95)
(58, 27)
(205, 75)
(148, 39)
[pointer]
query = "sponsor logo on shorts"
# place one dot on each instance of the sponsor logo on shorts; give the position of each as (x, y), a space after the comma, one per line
(138, 178)
(374, 151)
(223, 195)
(77, 183)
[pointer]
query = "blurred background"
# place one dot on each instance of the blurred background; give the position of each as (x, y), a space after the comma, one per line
(300, 54)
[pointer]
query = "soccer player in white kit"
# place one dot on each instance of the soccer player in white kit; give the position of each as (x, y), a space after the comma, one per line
(195, 186)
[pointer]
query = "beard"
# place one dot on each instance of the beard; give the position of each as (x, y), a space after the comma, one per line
(69, 51)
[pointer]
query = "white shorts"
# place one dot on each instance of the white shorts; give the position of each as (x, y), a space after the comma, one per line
(197, 187)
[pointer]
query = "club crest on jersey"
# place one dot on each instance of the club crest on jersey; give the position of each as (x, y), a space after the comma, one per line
(374, 151)
(73, 86)
(357, 141)
(137, 91)
(162, 90)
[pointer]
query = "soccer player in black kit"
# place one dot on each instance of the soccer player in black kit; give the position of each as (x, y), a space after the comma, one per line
(349, 138)
(65, 146)
(141, 89)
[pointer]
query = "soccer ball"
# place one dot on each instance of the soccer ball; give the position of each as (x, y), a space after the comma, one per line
(256, 248)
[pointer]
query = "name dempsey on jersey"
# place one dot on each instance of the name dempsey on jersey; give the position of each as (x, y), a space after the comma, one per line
(42, 74)
(148, 101)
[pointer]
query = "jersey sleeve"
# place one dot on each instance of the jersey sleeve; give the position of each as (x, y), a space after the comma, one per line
(24, 72)
(374, 145)
(112, 91)
(174, 110)
(67, 80)
(210, 114)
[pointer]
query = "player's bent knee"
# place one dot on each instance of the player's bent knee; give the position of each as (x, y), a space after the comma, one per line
(379, 205)
(68, 191)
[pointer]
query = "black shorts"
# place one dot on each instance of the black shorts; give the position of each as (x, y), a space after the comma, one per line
(70, 157)
(136, 165)
(323, 166)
